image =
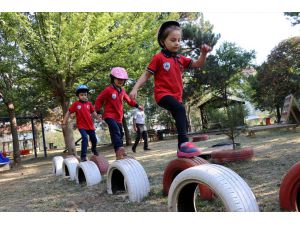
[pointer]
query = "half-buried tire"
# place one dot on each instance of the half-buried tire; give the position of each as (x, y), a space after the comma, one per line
(69, 167)
(289, 193)
(101, 163)
(222, 156)
(57, 165)
(128, 175)
(229, 187)
(176, 166)
(88, 172)
(202, 137)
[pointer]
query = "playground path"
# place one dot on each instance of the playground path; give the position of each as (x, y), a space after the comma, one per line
(31, 186)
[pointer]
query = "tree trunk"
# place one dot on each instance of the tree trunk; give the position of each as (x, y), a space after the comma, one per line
(14, 131)
(67, 130)
(126, 131)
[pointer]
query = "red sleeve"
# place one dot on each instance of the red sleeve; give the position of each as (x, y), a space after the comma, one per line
(153, 66)
(129, 100)
(100, 100)
(186, 62)
(72, 108)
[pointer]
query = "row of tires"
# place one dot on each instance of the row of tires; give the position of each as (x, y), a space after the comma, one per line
(225, 155)
(122, 175)
(196, 173)
(182, 177)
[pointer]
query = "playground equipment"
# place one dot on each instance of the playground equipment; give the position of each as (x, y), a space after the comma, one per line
(25, 151)
(101, 163)
(57, 165)
(202, 137)
(290, 107)
(229, 187)
(88, 172)
(4, 163)
(128, 175)
(178, 165)
(221, 156)
(289, 193)
(69, 167)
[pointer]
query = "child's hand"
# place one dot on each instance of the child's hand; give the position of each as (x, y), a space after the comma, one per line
(205, 48)
(141, 107)
(133, 94)
(99, 117)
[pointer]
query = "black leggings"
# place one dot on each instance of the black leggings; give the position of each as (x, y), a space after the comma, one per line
(178, 112)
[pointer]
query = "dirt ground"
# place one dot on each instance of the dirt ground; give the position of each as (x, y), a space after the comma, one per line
(31, 186)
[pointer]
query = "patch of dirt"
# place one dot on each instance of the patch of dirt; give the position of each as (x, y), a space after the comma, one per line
(31, 186)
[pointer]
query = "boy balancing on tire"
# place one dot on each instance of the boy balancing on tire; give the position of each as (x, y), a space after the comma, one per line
(167, 66)
(83, 110)
(112, 99)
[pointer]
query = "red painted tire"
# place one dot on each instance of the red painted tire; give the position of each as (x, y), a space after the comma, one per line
(101, 163)
(203, 137)
(24, 152)
(289, 193)
(222, 156)
(178, 165)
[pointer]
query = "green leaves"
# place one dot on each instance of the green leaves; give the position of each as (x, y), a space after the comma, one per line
(279, 76)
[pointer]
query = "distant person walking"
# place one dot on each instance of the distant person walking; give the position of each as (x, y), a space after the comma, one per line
(140, 129)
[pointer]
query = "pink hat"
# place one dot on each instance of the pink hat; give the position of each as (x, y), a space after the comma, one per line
(119, 72)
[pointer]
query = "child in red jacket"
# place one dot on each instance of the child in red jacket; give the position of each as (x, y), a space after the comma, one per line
(167, 68)
(112, 98)
(84, 121)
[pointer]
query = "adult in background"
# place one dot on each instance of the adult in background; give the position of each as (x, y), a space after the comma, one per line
(140, 129)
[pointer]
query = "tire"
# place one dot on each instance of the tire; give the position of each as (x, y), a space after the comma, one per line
(69, 167)
(88, 172)
(222, 156)
(57, 165)
(128, 175)
(289, 193)
(202, 137)
(101, 163)
(176, 166)
(233, 191)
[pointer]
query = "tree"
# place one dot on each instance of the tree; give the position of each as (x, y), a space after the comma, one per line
(10, 71)
(278, 77)
(65, 49)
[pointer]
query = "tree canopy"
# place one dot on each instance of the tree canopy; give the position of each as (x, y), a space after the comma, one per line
(278, 77)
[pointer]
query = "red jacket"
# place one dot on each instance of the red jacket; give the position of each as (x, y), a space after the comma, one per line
(168, 71)
(83, 112)
(112, 100)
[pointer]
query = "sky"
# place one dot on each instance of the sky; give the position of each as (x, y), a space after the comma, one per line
(259, 31)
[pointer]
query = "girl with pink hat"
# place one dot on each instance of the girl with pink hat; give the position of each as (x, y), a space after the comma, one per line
(112, 98)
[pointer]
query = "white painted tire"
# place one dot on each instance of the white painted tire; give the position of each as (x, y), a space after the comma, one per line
(128, 175)
(232, 190)
(88, 172)
(69, 167)
(57, 165)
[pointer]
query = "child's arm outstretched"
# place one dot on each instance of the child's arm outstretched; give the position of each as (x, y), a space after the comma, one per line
(142, 80)
(201, 60)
